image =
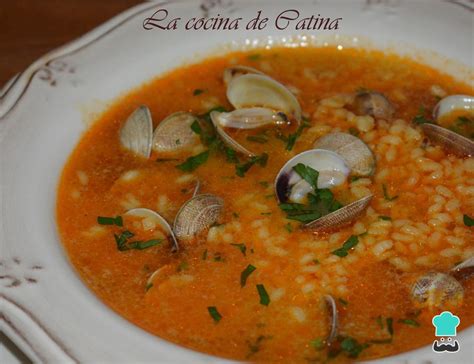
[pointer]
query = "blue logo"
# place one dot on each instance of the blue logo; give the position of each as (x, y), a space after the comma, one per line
(446, 327)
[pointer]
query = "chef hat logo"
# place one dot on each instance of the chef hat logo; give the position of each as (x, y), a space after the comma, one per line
(446, 324)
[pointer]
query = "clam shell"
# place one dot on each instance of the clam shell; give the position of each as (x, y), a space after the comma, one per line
(226, 138)
(468, 263)
(341, 217)
(437, 290)
(374, 104)
(174, 133)
(353, 150)
(250, 118)
(334, 318)
(451, 103)
(197, 214)
(464, 270)
(449, 140)
(329, 176)
(136, 133)
(236, 71)
(158, 219)
(257, 90)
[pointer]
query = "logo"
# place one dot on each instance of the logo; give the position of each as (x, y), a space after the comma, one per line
(446, 329)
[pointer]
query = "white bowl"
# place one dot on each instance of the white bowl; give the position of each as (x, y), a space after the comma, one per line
(48, 312)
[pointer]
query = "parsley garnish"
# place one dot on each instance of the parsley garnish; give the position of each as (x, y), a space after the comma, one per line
(262, 292)
(260, 138)
(241, 169)
(241, 247)
(309, 174)
(197, 92)
(420, 117)
(110, 220)
(245, 274)
(343, 302)
(409, 322)
(347, 246)
(254, 57)
(196, 127)
(289, 228)
(318, 343)
(385, 218)
(350, 346)
(216, 316)
(386, 195)
(255, 347)
(182, 266)
(291, 139)
(231, 155)
(468, 221)
(194, 162)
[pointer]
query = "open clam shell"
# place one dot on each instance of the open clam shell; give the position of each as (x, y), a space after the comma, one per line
(344, 216)
(196, 215)
(258, 90)
(437, 290)
(226, 138)
(357, 155)
(374, 104)
(155, 218)
(174, 133)
(332, 172)
(452, 142)
(250, 118)
(463, 270)
(333, 318)
(231, 72)
(452, 103)
(136, 133)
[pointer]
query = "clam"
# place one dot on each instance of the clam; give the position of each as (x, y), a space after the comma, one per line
(343, 216)
(226, 138)
(196, 215)
(174, 133)
(334, 318)
(374, 104)
(449, 140)
(356, 154)
(452, 103)
(250, 118)
(155, 219)
(258, 90)
(438, 290)
(332, 169)
(136, 133)
(236, 71)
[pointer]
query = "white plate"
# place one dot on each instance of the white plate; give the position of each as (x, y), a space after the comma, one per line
(48, 311)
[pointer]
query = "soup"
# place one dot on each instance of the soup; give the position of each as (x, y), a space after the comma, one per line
(185, 235)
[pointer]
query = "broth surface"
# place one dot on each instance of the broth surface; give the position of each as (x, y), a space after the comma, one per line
(415, 227)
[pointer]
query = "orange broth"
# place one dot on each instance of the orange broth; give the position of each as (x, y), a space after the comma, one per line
(296, 267)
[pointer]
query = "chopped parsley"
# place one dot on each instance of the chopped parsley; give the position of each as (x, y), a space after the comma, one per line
(468, 221)
(259, 138)
(349, 346)
(245, 274)
(292, 138)
(194, 162)
(197, 92)
(254, 57)
(265, 213)
(262, 292)
(182, 266)
(381, 323)
(289, 228)
(409, 322)
(242, 248)
(195, 127)
(318, 343)
(254, 347)
(321, 202)
(386, 195)
(216, 316)
(231, 155)
(309, 174)
(346, 247)
(123, 244)
(148, 287)
(242, 168)
(118, 221)
(420, 117)
(354, 131)
(343, 302)
(163, 160)
(385, 218)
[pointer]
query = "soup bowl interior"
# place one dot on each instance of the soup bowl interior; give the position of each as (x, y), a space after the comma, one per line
(49, 312)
